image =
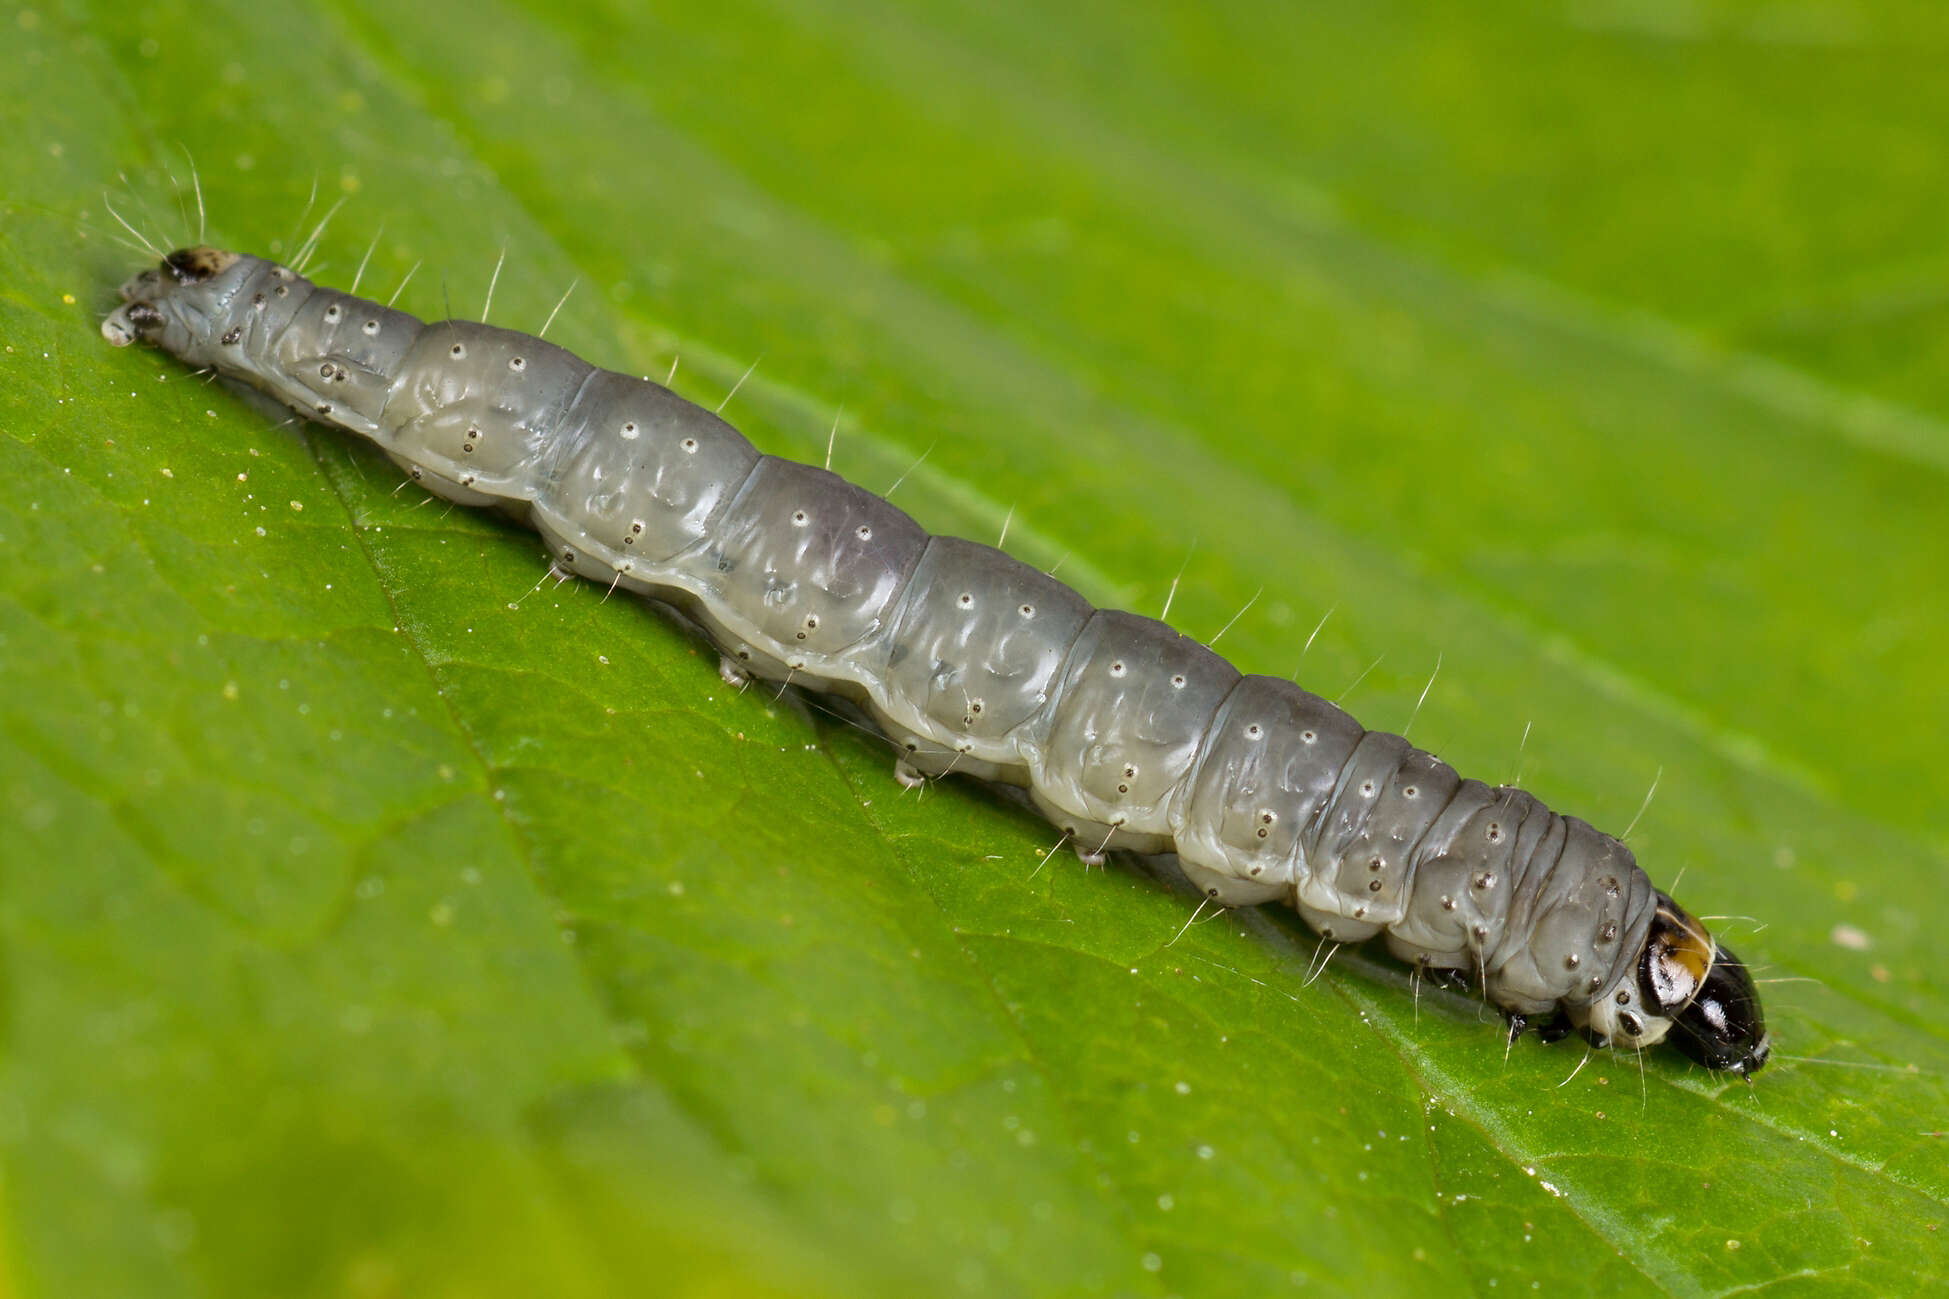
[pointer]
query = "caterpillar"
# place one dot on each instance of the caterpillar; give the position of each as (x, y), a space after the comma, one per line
(1123, 732)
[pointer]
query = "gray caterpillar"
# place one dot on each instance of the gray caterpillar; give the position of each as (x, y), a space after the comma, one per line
(1124, 733)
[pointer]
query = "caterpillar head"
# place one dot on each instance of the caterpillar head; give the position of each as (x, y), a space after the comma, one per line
(177, 303)
(1689, 988)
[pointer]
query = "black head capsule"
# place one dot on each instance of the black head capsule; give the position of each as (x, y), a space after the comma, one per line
(1706, 992)
(1722, 1027)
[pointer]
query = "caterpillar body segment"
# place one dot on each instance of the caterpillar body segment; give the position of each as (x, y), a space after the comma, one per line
(1123, 732)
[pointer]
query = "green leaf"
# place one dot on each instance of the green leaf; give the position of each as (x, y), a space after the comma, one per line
(381, 918)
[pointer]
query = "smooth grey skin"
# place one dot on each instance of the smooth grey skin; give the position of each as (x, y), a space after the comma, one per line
(1124, 733)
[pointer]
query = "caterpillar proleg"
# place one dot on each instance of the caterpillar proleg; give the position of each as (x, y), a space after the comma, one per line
(1123, 732)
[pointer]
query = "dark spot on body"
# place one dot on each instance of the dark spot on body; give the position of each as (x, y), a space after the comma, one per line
(194, 265)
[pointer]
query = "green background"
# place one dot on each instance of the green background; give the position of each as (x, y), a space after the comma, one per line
(377, 923)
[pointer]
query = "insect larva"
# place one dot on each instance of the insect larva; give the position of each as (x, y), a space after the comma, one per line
(1123, 732)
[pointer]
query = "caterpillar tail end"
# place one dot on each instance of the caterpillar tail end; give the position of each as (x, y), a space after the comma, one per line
(119, 328)
(142, 293)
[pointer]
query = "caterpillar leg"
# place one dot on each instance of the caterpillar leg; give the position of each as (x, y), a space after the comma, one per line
(732, 674)
(1556, 1030)
(1549, 1034)
(920, 759)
